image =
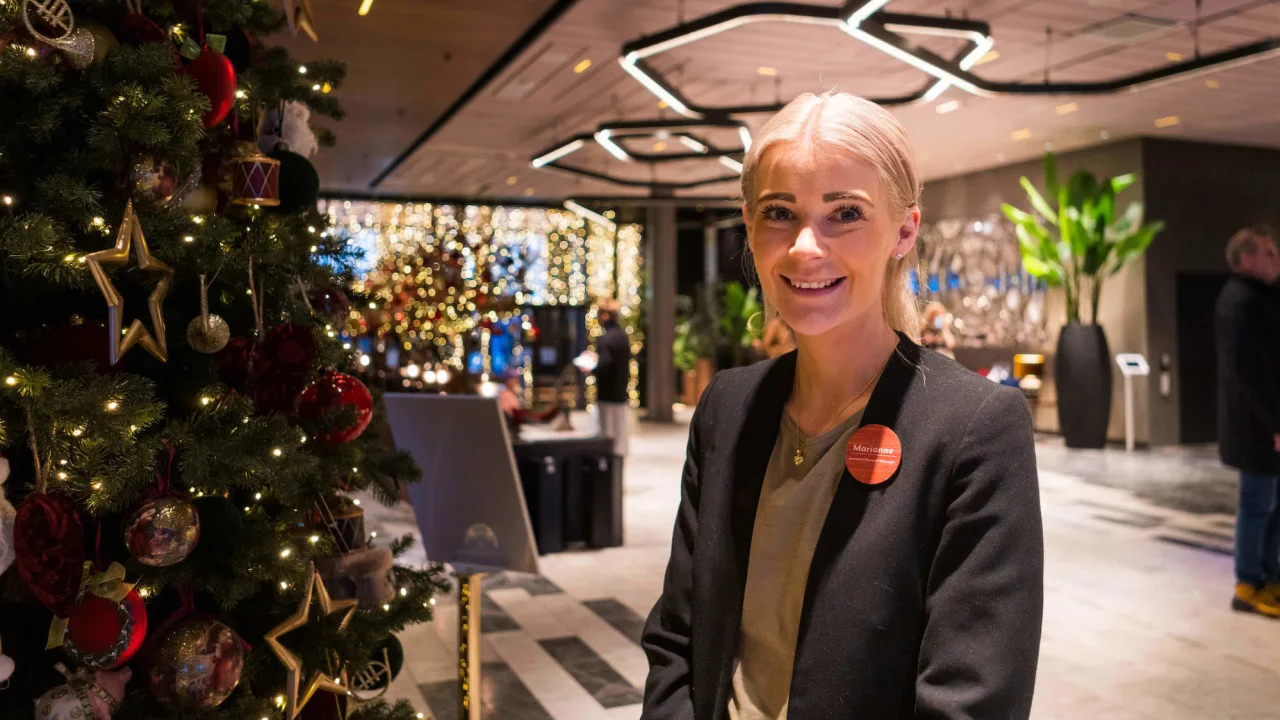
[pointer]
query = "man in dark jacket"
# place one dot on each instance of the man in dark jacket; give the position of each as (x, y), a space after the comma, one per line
(1247, 320)
(613, 374)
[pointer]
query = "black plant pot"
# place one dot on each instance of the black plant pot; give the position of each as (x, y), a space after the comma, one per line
(1083, 376)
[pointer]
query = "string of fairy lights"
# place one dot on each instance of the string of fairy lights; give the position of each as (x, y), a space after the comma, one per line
(443, 279)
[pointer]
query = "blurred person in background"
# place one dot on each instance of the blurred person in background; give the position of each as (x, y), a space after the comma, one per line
(1247, 320)
(613, 373)
(935, 329)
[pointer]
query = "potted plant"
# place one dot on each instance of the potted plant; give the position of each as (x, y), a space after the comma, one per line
(1075, 240)
(694, 348)
(741, 323)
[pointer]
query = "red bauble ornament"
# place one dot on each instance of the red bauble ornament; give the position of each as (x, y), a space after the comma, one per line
(287, 349)
(48, 541)
(331, 392)
(137, 29)
(104, 634)
(233, 362)
(217, 80)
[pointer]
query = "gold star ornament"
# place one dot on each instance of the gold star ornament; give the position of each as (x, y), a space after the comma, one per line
(300, 17)
(131, 237)
(300, 694)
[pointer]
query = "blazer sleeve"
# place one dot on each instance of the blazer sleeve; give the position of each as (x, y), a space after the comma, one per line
(667, 633)
(985, 592)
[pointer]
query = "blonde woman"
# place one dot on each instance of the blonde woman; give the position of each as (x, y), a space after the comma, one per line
(904, 583)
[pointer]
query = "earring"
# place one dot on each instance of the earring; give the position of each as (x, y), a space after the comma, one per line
(898, 256)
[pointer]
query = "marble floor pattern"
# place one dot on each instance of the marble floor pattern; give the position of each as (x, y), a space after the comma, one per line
(1138, 579)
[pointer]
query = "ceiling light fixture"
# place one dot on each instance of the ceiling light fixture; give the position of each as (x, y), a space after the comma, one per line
(1022, 134)
(914, 60)
(1067, 109)
(864, 11)
(692, 144)
(511, 180)
(745, 136)
(659, 146)
(591, 215)
(628, 63)
(528, 192)
(603, 137)
(1168, 121)
(365, 7)
(991, 55)
(949, 106)
(558, 153)
(582, 66)
(1105, 134)
(732, 164)
(767, 71)
(1173, 56)
(1212, 84)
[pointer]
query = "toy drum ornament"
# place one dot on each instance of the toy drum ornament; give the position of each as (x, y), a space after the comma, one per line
(255, 180)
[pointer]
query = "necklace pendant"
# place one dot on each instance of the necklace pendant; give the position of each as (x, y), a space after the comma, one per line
(799, 457)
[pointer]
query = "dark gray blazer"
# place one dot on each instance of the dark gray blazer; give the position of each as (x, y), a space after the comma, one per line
(925, 593)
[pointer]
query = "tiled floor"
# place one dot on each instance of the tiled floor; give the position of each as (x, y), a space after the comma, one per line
(1138, 578)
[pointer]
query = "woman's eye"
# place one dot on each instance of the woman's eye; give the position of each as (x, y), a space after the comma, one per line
(777, 213)
(848, 214)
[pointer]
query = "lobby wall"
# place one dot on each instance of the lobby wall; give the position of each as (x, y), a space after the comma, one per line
(1123, 312)
(1204, 192)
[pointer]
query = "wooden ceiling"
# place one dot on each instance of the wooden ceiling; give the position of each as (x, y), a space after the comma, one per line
(401, 84)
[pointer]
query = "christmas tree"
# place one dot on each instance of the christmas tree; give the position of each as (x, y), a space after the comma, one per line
(181, 439)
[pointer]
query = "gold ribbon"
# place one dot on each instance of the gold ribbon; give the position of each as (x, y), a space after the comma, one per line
(108, 584)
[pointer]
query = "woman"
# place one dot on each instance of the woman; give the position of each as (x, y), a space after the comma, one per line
(795, 588)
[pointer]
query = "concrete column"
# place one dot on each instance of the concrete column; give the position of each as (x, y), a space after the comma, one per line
(660, 262)
(710, 254)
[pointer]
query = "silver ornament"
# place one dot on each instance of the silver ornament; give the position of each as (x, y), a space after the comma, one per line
(208, 338)
(79, 47)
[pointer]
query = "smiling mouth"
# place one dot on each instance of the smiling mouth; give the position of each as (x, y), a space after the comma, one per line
(813, 287)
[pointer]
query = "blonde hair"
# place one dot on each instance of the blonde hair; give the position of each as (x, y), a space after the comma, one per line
(852, 124)
(1245, 242)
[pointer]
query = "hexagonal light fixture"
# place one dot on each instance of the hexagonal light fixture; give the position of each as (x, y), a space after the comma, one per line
(613, 136)
(865, 20)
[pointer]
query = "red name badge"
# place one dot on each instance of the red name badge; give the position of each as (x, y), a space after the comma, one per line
(873, 454)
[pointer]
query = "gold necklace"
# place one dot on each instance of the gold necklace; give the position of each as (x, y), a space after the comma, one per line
(798, 458)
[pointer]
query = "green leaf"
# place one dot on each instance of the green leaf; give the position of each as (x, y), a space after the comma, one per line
(217, 43)
(1042, 271)
(1038, 202)
(1133, 246)
(1031, 242)
(1128, 223)
(1120, 183)
(1050, 175)
(1096, 257)
(1015, 215)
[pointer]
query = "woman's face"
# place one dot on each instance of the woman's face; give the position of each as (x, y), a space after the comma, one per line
(822, 231)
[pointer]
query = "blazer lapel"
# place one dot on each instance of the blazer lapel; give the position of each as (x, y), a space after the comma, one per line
(850, 500)
(761, 419)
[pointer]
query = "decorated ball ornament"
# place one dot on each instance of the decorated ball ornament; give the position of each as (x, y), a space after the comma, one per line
(197, 665)
(162, 531)
(153, 180)
(299, 182)
(331, 303)
(383, 668)
(332, 393)
(216, 78)
(104, 634)
(85, 696)
(208, 335)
